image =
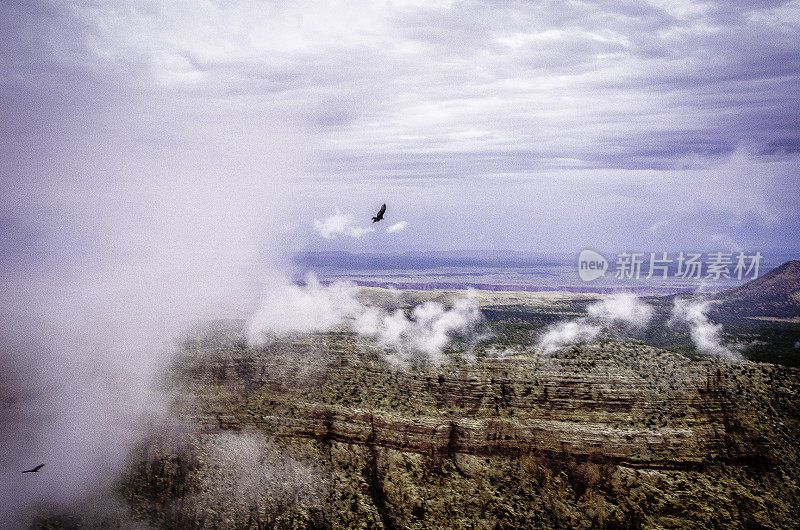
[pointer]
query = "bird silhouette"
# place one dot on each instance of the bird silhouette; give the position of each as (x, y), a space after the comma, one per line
(34, 470)
(379, 217)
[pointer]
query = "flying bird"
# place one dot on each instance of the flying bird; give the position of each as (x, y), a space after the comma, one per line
(379, 217)
(34, 470)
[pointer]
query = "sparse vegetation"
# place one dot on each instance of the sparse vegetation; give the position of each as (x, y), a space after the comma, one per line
(617, 434)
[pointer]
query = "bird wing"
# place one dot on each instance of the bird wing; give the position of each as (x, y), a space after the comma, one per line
(382, 210)
(37, 468)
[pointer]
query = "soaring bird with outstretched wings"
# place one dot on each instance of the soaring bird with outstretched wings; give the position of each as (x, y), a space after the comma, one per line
(379, 217)
(34, 470)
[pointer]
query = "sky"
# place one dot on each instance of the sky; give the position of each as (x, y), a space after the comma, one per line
(532, 126)
(160, 162)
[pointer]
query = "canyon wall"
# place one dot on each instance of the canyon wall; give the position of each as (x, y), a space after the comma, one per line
(617, 434)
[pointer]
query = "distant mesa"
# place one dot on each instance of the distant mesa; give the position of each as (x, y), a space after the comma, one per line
(776, 294)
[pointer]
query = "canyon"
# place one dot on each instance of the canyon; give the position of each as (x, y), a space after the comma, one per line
(617, 434)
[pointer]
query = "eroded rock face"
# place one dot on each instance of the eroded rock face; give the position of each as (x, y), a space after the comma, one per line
(616, 435)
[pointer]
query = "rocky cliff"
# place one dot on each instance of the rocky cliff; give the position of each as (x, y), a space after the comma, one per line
(318, 431)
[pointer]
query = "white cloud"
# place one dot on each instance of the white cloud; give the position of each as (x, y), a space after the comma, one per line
(428, 330)
(397, 227)
(313, 307)
(286, 307)
(243, 470)
(340, 224)
(705, 334)
(620, 309)
(565, 333)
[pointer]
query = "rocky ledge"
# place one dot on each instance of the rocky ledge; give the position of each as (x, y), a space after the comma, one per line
(608, 435)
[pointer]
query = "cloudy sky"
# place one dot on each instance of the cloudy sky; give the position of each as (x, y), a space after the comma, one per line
(159, 159)
(535, 126)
